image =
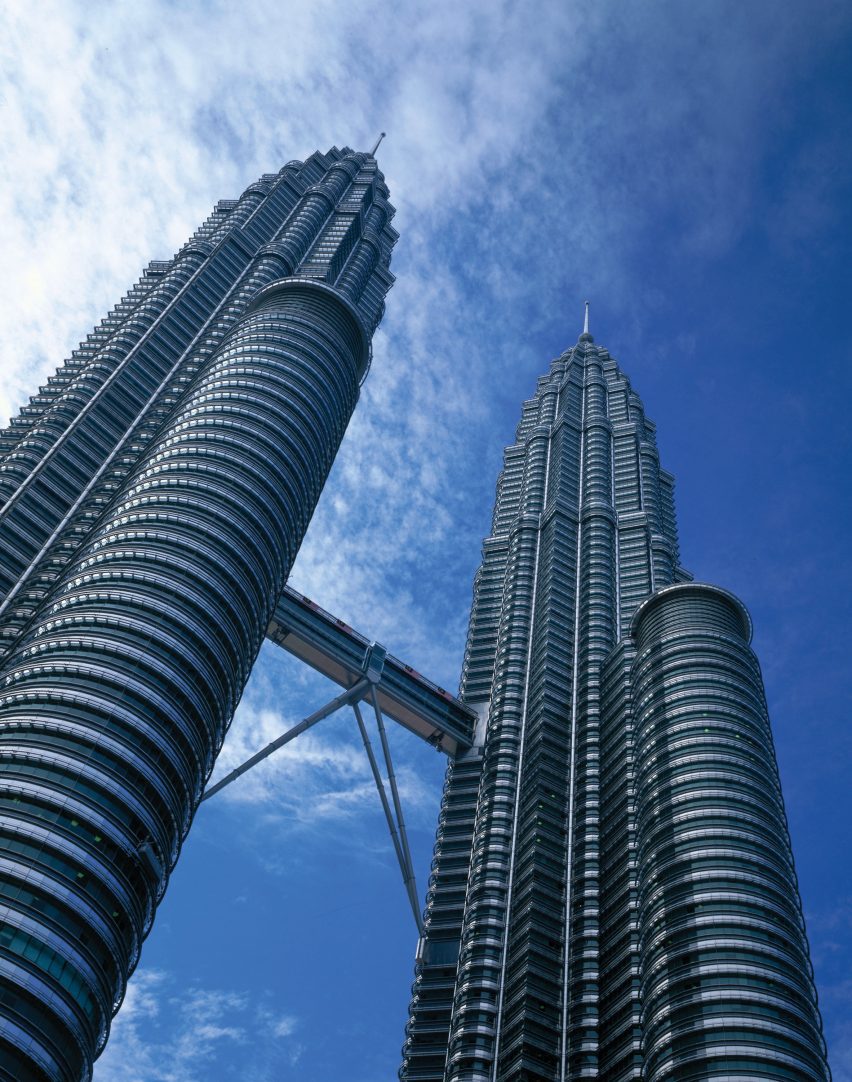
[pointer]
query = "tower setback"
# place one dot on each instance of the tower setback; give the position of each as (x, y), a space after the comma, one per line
(613, 894)
(153, 496)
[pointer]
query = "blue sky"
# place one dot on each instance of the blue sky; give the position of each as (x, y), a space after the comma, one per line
(686, 166)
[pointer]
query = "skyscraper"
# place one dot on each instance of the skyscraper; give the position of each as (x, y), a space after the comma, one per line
(154, 494)
(613, 894)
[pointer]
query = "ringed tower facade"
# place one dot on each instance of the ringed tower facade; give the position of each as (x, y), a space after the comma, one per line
(613, 894)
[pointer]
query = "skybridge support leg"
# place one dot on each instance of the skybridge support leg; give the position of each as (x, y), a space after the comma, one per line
(408, 870)
(405, 866)
(373, 664)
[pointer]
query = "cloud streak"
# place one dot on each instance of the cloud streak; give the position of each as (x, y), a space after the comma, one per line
(167, 1033)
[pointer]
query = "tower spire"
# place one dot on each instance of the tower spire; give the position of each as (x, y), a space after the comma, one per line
(376, 147)
(586, 320)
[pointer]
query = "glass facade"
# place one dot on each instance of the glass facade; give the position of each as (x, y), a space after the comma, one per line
(155, 493)
(612, 893)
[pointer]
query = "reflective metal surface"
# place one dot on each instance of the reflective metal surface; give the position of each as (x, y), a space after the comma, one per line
(727, 986)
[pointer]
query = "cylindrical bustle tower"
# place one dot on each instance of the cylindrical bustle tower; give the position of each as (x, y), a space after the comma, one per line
(726, 982)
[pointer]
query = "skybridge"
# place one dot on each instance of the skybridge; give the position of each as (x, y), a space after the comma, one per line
(337, 651)
(366, 672)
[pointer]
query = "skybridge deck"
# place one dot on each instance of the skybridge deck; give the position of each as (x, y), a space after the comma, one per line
(337, 651)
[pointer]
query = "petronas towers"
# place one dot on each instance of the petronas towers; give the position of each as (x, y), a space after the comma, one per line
(613, 894)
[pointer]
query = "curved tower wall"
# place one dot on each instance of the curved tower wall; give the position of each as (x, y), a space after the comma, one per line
(537, 949)
(127, 661)
(727, 986)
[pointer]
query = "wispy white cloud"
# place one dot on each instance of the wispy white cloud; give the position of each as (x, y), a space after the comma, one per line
(285, 1027)
(534, 151)
(167, 1033)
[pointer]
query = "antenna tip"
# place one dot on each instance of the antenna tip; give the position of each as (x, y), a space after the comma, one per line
(585, 334)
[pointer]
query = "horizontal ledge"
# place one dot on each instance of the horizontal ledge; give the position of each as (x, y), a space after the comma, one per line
(294, 285)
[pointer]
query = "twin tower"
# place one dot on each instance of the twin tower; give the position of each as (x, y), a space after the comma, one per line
(613, 894)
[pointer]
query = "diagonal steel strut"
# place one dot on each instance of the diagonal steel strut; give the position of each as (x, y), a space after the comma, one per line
(403, 836)
(405, 866)
(352, 695)
(373, 666)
